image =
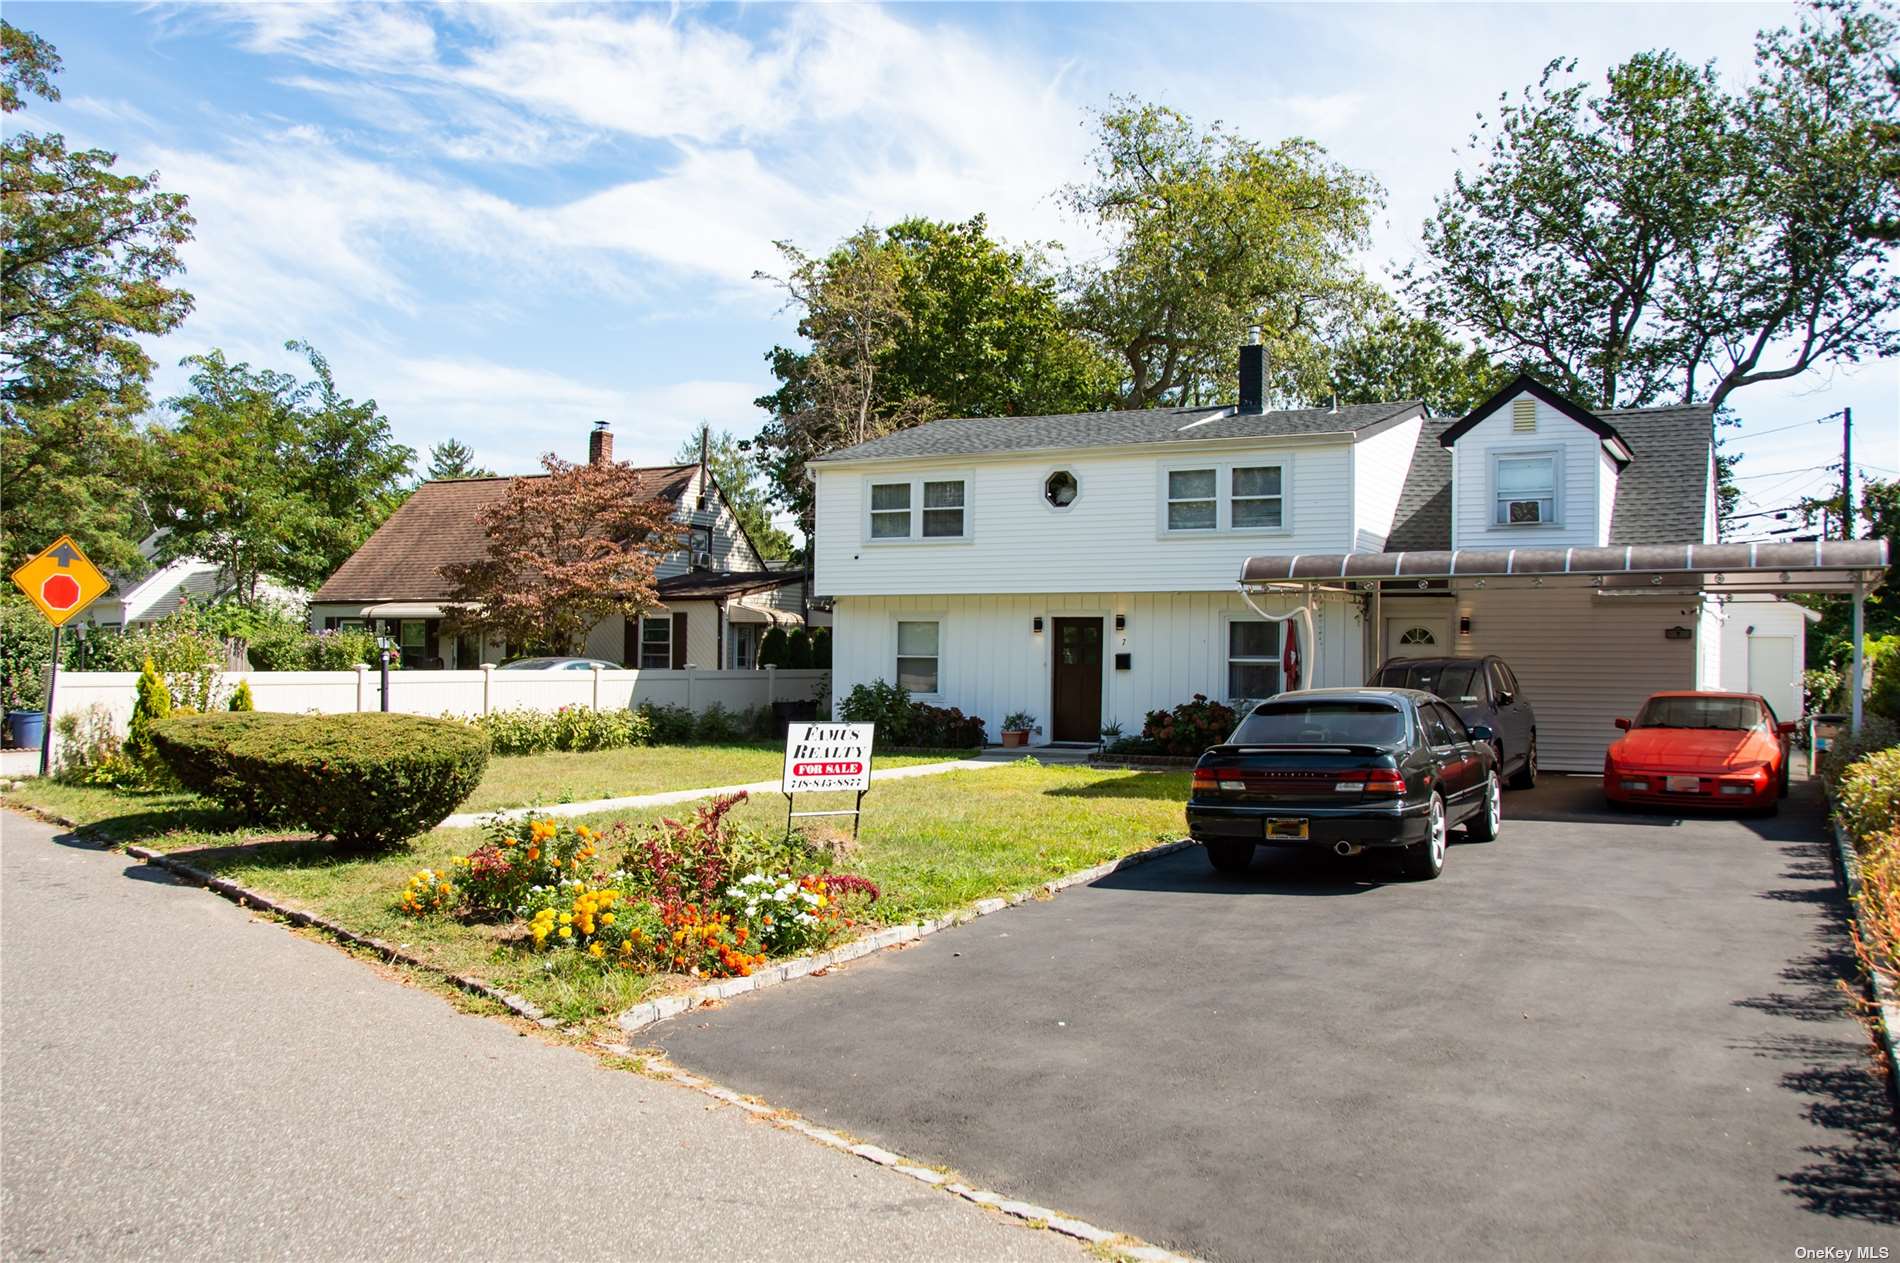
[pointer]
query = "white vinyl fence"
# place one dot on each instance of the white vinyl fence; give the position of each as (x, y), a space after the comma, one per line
(461, 692)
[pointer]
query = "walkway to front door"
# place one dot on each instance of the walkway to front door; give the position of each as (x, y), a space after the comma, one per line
(1077, 695)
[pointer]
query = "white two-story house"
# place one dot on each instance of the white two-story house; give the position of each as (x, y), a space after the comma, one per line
(718, 596)
(1084, 568)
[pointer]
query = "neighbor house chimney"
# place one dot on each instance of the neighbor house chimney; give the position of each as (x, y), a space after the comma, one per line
(1253, 376)
(600, 445)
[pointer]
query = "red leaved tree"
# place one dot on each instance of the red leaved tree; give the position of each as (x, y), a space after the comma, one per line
(565, 551)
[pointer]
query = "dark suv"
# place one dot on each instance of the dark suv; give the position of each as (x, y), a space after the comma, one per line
(1482, 691)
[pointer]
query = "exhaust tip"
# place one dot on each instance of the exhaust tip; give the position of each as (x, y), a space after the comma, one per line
(1345, 848)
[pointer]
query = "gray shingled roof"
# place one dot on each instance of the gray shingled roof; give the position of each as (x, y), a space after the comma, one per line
(973, 436)
(1661, 496)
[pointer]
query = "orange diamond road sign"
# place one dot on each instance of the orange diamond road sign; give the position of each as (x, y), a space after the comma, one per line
(61, 581)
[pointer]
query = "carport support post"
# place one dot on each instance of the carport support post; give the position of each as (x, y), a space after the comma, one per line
(1854, 690)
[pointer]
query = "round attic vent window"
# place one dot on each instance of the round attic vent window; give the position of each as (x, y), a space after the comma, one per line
(1060, 489)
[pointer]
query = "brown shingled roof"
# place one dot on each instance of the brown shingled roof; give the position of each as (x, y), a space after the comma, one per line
(438, 524)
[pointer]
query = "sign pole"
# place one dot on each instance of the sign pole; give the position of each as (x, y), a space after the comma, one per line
(46, 733)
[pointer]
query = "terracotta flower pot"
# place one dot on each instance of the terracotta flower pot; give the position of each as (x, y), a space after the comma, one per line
(1015, 738)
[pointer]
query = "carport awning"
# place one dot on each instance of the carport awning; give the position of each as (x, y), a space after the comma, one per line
(1823, 566)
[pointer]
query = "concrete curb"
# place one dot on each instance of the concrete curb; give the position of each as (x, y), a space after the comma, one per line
(1031, 1214)
(643, 1015)
(1880, 989)
(245, 897)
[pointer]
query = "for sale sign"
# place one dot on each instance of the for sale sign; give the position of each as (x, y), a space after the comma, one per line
(827, 758)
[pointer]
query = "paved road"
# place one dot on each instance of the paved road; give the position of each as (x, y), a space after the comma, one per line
(1612, 1039)
(178, 1081)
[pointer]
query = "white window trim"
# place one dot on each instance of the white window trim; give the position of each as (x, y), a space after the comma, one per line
(1227, 659)
(1224, 496)
(1042, 488)
(917, 481)
(1494, 455)
(640, 661)
(921, 616)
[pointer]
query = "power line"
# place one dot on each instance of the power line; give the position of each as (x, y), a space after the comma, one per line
(1799, 425)
(1780, 472)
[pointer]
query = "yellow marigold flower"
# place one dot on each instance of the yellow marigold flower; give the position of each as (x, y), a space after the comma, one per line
(567, 932)
(606, 918)
(596, 951)
(567, 918)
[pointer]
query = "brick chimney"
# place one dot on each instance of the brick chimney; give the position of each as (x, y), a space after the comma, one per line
(600, 445)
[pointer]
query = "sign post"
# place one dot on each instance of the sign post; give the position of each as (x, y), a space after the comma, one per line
(60, 581)
(827, 758)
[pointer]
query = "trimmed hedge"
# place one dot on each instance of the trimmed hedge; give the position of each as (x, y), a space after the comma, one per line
(368, 780)
(197, 749)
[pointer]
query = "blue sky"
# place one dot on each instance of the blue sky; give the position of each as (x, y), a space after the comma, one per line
(503, 223)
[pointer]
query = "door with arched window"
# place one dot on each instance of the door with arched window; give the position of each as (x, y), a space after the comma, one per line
(1412, 636)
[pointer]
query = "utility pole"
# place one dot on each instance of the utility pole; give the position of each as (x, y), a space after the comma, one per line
(1847, 473)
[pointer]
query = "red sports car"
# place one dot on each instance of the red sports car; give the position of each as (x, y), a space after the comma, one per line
(1700, 749)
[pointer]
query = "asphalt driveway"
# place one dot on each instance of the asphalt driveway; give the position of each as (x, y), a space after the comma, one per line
(1598, 1037)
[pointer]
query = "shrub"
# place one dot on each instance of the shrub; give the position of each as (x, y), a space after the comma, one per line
(367, 780)
(90, 749)
(1867, 796)
(1883, 694)
(341, 650)
(798, 650)
(716, 724)
(241, 697)
(669, 725)
(821, 648)
(26, 647)
(195, 750)
(186, 648)
(521, 731)
(1189, 728)
(1876, 734)
(154, 703)
(772, 648)
(902, 722)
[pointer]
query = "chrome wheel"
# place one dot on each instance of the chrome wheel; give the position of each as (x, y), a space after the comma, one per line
(1490, 818)
(1439, 839)
(1425, 859)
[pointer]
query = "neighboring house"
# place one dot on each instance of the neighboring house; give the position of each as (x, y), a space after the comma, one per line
(1085, 568)
(718, 594)
(167, 589)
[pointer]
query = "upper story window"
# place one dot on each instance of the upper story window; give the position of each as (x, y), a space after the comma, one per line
(1524, 488)
(919, 508)
(1060, 489)
(699, 539)
(1241, 496)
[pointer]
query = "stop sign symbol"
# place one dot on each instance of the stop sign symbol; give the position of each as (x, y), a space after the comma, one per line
(60, 591)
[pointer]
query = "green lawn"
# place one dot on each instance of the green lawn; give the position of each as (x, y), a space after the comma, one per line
(934, 844)
(540, 780)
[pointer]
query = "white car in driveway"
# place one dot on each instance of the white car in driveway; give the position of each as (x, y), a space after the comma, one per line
(558, 664)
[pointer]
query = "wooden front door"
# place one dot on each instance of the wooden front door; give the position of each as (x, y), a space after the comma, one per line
(1078, 680)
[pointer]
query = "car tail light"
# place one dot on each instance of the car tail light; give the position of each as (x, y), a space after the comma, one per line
(1378, 780)
(1204, 781)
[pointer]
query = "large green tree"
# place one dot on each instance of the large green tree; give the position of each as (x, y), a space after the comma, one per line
(924, 319)
(1398, 356)
(1211, 233)
(736, 471)
(88, 257)
(1664, 238)
(270, 476)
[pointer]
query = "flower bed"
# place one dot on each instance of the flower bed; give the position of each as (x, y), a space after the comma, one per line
(699, 896)
(1863, 785)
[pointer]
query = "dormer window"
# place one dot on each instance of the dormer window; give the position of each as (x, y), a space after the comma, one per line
(1524, 487)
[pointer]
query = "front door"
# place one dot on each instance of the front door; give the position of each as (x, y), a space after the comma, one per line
(1412, 636)
(1078, 680)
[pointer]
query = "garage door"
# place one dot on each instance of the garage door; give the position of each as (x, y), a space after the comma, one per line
(1583, 660)
(1771, 672)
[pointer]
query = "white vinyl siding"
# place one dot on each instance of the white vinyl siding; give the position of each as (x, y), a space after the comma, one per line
(1111, 539)
(1380, 463)
(992, 661)
(1474, 488)
(1582, 660)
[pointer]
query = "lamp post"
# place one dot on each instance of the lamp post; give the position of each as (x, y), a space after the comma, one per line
(382, 643)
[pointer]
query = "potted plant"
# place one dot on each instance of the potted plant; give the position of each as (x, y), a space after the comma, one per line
(1017, 725)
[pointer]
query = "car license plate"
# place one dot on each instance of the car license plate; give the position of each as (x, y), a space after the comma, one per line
(1682, 784)
(1286, 829)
